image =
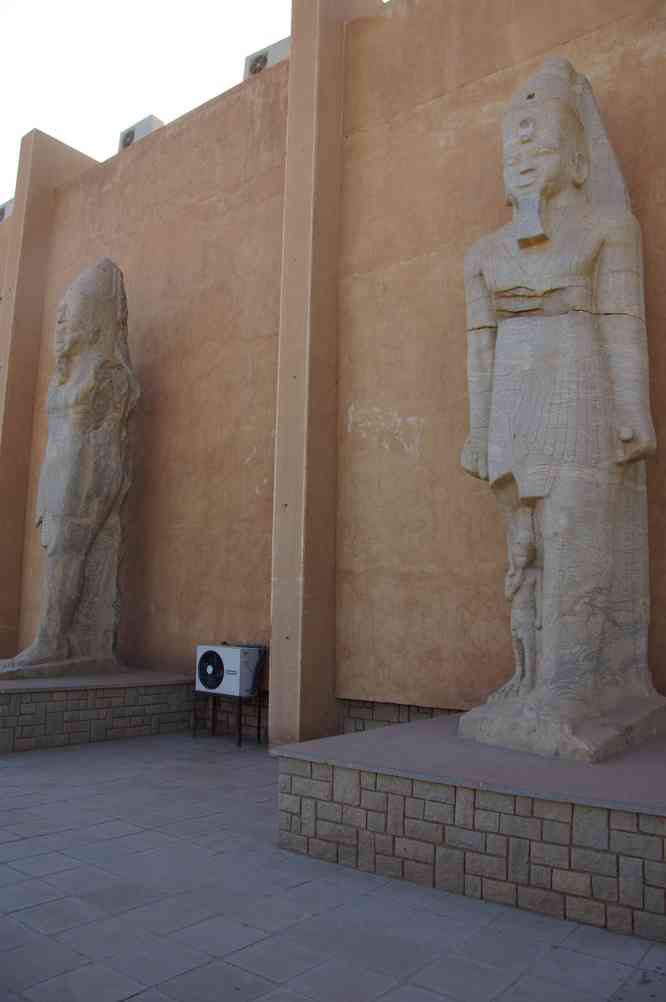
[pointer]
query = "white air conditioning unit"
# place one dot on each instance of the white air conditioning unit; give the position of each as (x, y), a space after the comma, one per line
(132, 135)
(228, 671)
(260, 60)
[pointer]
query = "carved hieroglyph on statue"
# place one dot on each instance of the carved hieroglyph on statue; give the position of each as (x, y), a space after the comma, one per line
(85, 477)
(560, 426)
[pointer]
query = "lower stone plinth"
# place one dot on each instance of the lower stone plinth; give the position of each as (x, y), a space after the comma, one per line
(574, 840)
(81, 709)
(73, 668)
(552, 730)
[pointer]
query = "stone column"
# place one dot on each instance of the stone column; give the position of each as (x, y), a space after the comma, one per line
(303, 663)
(44, 165)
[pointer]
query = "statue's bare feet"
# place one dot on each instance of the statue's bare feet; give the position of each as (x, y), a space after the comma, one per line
(520, 686)
(510, 690)
(38, 653)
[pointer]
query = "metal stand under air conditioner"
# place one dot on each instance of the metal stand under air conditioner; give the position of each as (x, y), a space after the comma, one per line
(212, 699)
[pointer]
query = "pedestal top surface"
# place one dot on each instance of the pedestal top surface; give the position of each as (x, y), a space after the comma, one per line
(111, 680)
(431, 750)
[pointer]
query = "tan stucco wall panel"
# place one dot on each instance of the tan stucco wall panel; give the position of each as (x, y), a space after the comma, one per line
(426, 48)
(193, 216)
(421, 555)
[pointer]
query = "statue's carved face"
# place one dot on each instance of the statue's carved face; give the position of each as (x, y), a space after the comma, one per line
(82, 315)
(74, 323)
(65, 335)
(542, 153)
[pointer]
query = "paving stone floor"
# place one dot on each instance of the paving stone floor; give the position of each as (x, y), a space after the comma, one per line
(147, 869)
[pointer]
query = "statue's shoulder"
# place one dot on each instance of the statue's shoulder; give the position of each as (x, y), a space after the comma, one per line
(611, 222)
(485, 247)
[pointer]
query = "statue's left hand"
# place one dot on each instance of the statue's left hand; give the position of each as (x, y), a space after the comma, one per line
(636, 439)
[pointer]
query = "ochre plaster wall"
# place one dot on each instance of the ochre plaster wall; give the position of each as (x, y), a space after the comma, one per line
(193, 216)
(421, 615)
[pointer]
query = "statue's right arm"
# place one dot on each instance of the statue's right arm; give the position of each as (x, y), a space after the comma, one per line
(481, 335)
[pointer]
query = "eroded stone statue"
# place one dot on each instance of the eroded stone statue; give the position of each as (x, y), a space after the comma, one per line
(85, 475)
(560, 426)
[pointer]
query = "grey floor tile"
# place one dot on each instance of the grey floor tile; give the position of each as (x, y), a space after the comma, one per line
(464, 980)
(25, 848)
(26, 893)
(13, 934)
(269, 913)
(580, 971)
(93, 983)
(409, 895)
(276, 961)
(607, 945)
(10, 875)
(534, 927)
(151, 963)
(655, 958)
(504, 948)
(27, 966)
(59, 915)
(410, 993)
(642, 986)
(170, 870)
(462, 909)
(107, 938)
(365, 913)
(44, 865)
(322, 934)
(529, 989)
(177, 911)
(81, 879)
(107, 830)
(439, 932)
(151, 995)
(121, 896)
(218, 936)
(6, 835)
(378, 950)
(36, 826)
(215, 982)
(337, 981)
(281, 995)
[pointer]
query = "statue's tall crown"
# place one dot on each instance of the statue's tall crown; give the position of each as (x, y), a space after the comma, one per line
(556, 80)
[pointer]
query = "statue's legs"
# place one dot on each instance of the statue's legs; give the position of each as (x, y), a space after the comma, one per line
(67, 544)
(593, 694)
(595, 584)
(520, 588)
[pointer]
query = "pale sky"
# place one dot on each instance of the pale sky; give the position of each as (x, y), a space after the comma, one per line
(82, 70)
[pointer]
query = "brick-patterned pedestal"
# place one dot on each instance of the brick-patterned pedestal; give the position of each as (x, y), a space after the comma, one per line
(363, 715)
(554, 854)
(50, 713)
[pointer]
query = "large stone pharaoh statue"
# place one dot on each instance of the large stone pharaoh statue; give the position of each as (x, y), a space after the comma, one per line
(85, 475)
(560, 425)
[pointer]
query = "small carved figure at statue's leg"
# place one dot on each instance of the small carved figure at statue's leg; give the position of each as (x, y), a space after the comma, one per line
(525, 615)
(518, 657)
(520, 587)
